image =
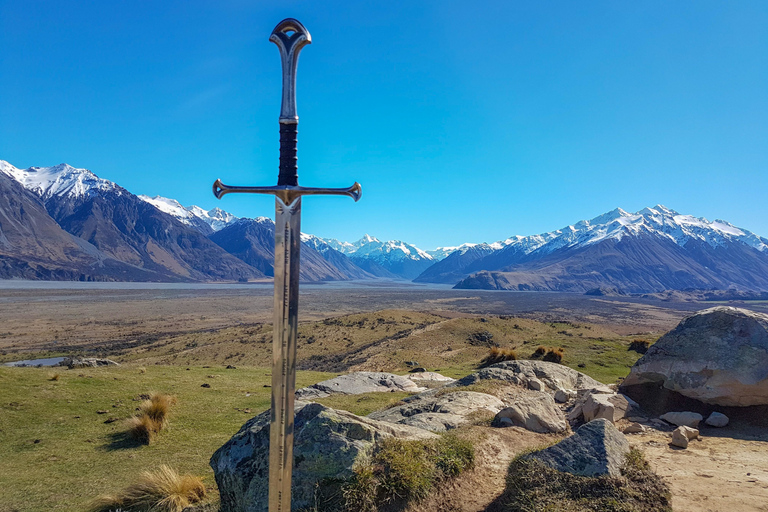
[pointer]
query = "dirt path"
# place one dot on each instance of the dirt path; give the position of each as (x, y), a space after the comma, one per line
(714, 474)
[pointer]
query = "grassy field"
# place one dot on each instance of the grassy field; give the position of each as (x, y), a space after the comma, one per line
(57, 453)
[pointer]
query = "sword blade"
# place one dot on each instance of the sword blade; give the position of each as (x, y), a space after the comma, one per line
(286, 309)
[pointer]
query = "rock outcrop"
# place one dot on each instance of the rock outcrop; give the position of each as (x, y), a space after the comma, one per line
(718, 356)
(327, 444)
(357, 383)
(439, 412)
(86, 362)
(596, 448)
(526, 374)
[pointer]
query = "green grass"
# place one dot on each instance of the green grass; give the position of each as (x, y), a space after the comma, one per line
(57, 454)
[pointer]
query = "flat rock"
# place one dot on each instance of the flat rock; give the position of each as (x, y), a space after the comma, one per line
(430, 376)
(537, 413)
(563, 396)
(357, 383)
(686, 418)
(87, 362)
(455, 404)
(718, 356)
(596, 448)
(717, 419)
(634, 428)
(327, 444)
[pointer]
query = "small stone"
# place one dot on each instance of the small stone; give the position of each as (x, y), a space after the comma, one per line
(564, 395)
(634, 428)
(229, 367)
(101, 412)
(536, 385)
(687, 418)
(206, 385)
(682, 435)
(717, 419)
(110, 420)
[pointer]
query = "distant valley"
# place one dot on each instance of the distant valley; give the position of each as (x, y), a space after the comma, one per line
(63, 223)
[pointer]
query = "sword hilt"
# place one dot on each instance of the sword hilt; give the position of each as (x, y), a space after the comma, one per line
(289, 168)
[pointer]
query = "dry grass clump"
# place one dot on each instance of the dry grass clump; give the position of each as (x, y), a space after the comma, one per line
(551, 354)
(151, 418)
(533, 487)
(497, 355)
(639, 346)
(54, 377)
(163, 490)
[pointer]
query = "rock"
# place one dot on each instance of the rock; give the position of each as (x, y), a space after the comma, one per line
(717, 419)
(535, 384)
(536, 413)
(597, 403)
(681, 435)
(86, 362)
(596, 448)
(687, 418)
(634, 428)
(357, 383)
(430, 376)
(327, 444)
(418, 370)
(564, 395)
(454, 405)
(552, 375)
(718, 356)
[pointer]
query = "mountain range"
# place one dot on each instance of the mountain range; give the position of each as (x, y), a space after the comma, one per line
(65, 223)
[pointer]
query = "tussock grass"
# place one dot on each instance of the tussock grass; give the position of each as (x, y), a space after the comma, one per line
(162, 490)
(54, 377)
(551, 354)
(403, 471)
(497, 355)
(639, 346)
(151, 418)
(535, 487)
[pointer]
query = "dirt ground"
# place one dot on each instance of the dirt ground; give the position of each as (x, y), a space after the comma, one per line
(726, 470)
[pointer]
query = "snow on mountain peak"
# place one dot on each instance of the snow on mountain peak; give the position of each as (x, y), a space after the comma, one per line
(59, 180)
(190, 215)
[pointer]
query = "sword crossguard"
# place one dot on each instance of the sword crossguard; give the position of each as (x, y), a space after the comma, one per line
(287, 193)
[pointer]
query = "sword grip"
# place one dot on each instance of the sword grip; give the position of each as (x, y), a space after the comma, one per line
(289, 170)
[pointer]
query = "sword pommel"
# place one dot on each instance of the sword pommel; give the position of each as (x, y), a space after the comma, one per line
(290, 36)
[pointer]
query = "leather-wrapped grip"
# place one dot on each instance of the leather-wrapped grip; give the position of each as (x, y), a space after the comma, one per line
(289, 172)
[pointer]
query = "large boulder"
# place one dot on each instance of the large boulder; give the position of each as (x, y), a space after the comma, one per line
(327, 443)
(596, 448)
(440, 411)
(718, 356)
(537, 413)
(526, 374)
(357, 383)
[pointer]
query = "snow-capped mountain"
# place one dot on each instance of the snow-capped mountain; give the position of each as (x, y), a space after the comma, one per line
(205, 221)
(392, 258)
(650, 250)
(59, 180)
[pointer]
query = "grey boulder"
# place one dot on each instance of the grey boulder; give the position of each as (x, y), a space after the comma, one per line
(682, 435)
(537, 413)
(327, 444)
(717, 356)
(596, 448)
(717, 419)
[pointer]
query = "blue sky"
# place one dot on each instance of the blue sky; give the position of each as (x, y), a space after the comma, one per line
(464, 121)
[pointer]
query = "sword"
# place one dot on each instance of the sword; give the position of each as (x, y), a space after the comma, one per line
(290, 36)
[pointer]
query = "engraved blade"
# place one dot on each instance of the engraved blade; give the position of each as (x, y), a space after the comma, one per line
(286, 309)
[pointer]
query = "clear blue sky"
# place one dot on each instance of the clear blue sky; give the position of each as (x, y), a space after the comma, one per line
(464, 121)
